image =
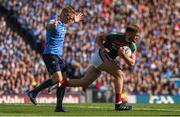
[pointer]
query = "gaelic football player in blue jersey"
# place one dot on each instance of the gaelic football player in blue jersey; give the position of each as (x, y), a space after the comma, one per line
(52, 55)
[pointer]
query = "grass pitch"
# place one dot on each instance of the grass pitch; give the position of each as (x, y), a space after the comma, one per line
(93, 109)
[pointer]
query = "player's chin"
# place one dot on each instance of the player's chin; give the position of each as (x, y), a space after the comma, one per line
(132, 64)
(132, 40)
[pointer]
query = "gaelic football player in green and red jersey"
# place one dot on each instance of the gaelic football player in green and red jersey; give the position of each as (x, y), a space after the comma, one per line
(110, 46)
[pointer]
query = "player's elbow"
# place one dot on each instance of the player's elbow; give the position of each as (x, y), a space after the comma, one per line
(131, 64)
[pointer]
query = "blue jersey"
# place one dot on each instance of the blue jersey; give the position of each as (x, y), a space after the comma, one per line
(55, 39)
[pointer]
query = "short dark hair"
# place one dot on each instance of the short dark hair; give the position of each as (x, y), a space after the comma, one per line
(133, 28)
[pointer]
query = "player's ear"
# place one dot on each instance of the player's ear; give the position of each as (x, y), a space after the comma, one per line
(127, 34)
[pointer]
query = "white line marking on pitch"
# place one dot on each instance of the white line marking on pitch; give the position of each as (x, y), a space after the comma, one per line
(150, 109)
(156, 109)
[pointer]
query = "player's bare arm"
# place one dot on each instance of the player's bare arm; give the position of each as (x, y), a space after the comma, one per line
(130, 60)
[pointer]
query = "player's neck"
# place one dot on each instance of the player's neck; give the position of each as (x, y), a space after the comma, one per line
(126, 38)
(62, 19)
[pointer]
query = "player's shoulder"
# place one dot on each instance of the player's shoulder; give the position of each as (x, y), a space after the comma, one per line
(133, 46)
(52, 19)
(116, 33)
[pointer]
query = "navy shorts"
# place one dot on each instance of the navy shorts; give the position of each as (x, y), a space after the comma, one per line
(54, 63)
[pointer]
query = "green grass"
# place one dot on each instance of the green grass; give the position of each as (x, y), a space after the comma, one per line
(93, 109)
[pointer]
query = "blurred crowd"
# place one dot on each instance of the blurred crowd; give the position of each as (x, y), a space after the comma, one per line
(158, 50)
(20, 66)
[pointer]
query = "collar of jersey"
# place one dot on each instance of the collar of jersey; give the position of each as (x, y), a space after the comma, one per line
(62, 23)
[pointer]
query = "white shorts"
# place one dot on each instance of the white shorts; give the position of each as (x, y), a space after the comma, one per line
(96, 60)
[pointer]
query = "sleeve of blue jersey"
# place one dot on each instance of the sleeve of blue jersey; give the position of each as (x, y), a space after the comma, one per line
(51, 21)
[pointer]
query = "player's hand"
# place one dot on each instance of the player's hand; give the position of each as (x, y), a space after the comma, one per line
(121, 52)
(78, 17)
(105, 50)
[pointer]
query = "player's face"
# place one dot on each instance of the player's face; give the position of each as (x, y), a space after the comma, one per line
(136, 37)
(132, 36)
(71, 19)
